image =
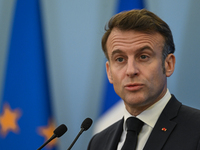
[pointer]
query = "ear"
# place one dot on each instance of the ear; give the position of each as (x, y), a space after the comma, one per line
(170, 64)
(109, 74)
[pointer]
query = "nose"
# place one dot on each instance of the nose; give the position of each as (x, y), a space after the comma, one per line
(132, 68)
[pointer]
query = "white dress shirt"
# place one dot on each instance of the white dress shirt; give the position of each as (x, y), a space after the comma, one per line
(149, 117)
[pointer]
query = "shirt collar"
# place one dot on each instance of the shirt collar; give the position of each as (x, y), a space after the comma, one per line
(151, 114)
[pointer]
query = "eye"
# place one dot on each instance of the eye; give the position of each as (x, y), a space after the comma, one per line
(144, 57)
(120, 59)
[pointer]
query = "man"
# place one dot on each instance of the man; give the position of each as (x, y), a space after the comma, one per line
(139, 47)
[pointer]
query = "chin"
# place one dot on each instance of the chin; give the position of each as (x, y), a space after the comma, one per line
(136, 102)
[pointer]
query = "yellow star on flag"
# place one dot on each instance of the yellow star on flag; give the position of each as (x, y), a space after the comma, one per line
(8, 120)
(47, 132)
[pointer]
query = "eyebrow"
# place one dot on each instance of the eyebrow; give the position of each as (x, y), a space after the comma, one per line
(144, 48)
(120, 51)
(115, 52)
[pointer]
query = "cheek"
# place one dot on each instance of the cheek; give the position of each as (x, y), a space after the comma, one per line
(159, 78)
(118, 74)
(117, 78)
(155, 75)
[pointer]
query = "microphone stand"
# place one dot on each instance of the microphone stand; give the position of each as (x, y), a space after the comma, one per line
(82, 129)
(49, 140)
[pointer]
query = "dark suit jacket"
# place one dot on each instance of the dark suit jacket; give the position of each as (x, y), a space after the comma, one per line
(182, 124)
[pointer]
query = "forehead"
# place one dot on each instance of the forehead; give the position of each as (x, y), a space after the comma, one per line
(131, 39)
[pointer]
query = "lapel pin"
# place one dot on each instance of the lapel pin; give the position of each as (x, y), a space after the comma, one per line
(164, 129)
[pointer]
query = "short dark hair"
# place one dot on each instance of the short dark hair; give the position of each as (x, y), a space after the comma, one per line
(143, 21)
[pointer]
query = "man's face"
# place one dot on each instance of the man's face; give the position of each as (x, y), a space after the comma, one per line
(135, 68)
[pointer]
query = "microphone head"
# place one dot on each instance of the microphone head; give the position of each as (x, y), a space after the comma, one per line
(86, 124)
(60, 130)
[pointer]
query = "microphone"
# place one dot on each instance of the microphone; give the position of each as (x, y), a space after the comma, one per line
(84, 126)
(58, 132)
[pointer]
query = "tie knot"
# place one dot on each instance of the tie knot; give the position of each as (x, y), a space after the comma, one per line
(134, 124)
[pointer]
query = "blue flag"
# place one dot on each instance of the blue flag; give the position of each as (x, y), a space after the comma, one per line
(112, 105)
(25, 111)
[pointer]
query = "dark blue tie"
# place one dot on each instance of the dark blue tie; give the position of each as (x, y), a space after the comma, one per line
(134, 125)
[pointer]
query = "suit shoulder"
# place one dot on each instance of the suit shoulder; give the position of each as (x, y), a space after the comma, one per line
(100, 139)
(111, 128)
(188, 117)
(190, 112)
(177, 110)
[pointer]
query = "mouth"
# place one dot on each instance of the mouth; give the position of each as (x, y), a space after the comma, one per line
(134, 86)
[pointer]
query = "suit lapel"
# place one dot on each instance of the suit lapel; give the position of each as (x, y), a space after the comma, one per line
(164, 126)
(114, 136)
